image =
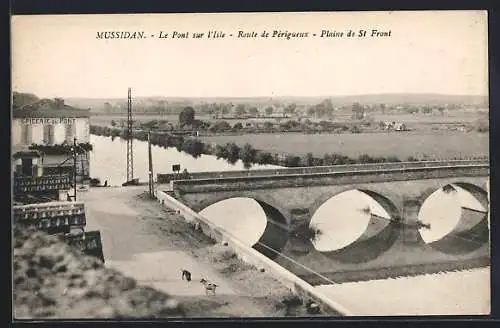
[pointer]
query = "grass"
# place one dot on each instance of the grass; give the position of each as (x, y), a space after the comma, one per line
(447, 144)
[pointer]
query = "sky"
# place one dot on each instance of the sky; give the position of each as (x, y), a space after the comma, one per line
(426, 52)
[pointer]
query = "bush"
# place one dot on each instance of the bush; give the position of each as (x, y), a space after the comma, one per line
(95, 182)
(228, 255)
(482, 126)
(292, 161)
(193, 147)
(355, 129)
(264, 157)
(307, 232)
(292, 300)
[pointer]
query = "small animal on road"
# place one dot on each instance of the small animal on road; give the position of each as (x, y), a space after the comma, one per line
(186, 274)
(209, 286)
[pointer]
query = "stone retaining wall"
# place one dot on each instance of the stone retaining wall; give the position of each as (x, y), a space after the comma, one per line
(253, 257)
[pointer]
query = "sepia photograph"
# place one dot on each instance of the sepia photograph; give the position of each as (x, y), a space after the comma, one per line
(255, 165)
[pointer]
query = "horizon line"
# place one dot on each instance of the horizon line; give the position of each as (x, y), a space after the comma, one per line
(264, 96)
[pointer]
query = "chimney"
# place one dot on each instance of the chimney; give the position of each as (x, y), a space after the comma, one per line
(59, 102)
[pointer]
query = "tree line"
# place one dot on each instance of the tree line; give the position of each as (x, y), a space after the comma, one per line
(249, 155)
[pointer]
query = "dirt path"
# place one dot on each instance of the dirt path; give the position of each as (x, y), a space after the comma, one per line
(146, 242)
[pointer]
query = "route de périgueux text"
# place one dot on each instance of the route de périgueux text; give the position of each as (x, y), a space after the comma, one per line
(242, 34)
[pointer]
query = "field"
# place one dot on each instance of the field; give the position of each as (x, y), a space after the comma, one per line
(415, 121)
(422, 140)
(446, 144)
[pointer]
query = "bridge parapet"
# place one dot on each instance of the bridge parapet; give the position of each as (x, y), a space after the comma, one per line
(320, 169)
(329, 178)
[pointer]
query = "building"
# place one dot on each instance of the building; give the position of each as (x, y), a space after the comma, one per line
(50, 127)
(400, 127)
(396, 126)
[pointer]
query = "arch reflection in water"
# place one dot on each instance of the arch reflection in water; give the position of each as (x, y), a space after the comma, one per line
(457, 218)
(253, 222)
(355, 226)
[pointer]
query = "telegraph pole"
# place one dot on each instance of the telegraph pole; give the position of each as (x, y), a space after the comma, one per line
(74, 169)
(150, 156)
(130, 154)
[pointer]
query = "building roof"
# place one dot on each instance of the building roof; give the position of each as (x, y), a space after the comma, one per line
(57, 160)
(26, 154)
(47, 108)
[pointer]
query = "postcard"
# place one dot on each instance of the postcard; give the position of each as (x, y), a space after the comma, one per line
(297, 164)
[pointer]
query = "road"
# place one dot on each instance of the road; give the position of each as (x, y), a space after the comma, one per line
(136, 241)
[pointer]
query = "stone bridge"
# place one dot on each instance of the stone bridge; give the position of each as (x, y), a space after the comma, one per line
(290, 197)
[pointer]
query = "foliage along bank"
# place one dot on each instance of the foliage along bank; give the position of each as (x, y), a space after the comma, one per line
(231, 152)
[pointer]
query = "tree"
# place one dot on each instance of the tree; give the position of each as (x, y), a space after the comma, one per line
(358, 111)
(292, 161)
(327, 107)
(220, 126)
(288, 125)
(268, 125)
(247, 155)
(290, 109)
(186, 116)
(240, 110)
(426, 109)
(254, 111)
(108, 108)
(221, 151)
(238, 126)
(193, 147)
(19, 100)
(233, 152)
(355, 129)
(308, 159)
(264, 157)
(269, 111)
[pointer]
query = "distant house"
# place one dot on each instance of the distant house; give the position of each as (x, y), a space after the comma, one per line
(249, 124)
(395, 126)
(389, 125)
(400, 127)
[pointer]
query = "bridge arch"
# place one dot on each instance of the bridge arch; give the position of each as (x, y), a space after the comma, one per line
(376, 237)
(468, 230)
(273, 235)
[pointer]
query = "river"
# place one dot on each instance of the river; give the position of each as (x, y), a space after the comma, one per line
(442, 210)
(108, 161)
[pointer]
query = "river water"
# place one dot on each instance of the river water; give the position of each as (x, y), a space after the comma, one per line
(442, 210)
(108, 161)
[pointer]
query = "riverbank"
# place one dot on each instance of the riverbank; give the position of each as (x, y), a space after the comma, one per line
(151, 244)
(295, 150)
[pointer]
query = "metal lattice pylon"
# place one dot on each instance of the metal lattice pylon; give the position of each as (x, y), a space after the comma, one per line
(130, 153)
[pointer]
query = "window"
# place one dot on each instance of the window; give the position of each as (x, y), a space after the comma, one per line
(48, 134)
(27, 166)
(26, 134)
(70, 132)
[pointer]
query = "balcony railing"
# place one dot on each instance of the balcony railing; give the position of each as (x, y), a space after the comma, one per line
(26, 184)
(49, 216)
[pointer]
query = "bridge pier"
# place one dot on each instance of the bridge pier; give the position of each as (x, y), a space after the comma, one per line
(298, 217)
(410, 234)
